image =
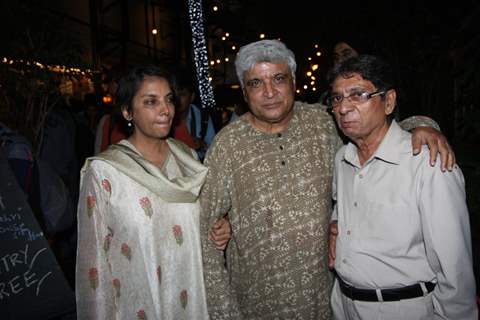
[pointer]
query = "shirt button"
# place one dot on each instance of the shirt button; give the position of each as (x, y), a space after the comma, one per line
(344, 260)
(360, 176)
(355, 204)
(348, 232)
(283, 163)
(281, 147)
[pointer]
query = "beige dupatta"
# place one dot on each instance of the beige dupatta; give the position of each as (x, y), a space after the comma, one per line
(127, 159)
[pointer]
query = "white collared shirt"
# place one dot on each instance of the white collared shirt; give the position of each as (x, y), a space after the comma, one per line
(401, 222)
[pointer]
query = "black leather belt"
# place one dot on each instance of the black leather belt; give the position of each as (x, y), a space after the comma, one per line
(396, 294)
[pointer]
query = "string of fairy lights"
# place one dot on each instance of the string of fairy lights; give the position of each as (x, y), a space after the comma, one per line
(312, 73)
(200, 53)
(53, 68)
(203, 65)
(309, 82)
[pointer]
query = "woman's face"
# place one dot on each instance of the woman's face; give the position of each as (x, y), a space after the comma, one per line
(152, 109)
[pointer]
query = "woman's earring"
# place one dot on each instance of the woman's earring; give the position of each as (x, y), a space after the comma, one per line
(129, 124)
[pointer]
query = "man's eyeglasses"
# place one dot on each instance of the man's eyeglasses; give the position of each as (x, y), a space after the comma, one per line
(357, 97)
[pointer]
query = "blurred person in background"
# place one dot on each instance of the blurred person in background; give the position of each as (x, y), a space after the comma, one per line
(193, 125)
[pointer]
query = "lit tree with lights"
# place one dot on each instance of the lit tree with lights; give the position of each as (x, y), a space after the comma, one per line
(200, 53)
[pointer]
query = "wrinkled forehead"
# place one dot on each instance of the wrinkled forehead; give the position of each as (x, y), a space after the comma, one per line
(267, 69)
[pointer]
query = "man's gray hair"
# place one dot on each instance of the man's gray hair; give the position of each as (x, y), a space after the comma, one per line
(263, 51)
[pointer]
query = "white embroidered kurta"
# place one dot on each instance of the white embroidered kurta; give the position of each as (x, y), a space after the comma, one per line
(139, 256)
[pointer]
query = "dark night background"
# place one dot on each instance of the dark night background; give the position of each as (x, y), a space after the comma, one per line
(430, 44)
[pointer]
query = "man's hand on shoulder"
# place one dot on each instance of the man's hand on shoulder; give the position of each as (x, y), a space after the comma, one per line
(437, 143)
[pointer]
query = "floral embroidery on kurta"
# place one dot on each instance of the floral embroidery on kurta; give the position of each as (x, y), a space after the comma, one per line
(126, 251)
(106, 185)
(184, 298)
(93, 278)
(90, 204)
(177, 233)
(116, 285)
(141, 315)
(130, 257)
(146, 206)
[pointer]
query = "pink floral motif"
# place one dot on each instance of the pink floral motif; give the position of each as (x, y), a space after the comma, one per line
(93, 277)
(126, 251)
(107, 240)
(90, 204)
(141, 315)
(184, 298)
(159, 274)
(106, 185)
(116, 285)
(146, 206)
(177, 232)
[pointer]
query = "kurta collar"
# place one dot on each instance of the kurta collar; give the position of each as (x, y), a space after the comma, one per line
(293, 124)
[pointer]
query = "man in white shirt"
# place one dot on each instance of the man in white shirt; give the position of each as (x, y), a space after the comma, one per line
(403, 249)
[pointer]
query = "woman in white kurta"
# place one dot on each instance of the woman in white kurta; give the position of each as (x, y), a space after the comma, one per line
(139, 254)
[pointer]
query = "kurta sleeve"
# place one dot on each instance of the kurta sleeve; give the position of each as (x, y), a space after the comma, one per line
(446, 229)
(94, 288)
(413, 122)
(337, 138)
(215, 200)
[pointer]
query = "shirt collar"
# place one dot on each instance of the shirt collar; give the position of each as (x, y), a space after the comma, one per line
(388, 151)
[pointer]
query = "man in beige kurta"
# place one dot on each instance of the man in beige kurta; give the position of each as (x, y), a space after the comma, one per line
(278, 190)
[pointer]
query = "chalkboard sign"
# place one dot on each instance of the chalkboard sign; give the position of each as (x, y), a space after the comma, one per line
(32, 285)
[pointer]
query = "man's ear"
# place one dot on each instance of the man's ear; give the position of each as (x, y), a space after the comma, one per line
(244, 92)
(390, 101)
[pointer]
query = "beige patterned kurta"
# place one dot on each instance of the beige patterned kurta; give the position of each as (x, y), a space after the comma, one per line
(139, 253)
(277, 190)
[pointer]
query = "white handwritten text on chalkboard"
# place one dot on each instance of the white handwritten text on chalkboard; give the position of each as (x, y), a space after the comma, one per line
(19, 260)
